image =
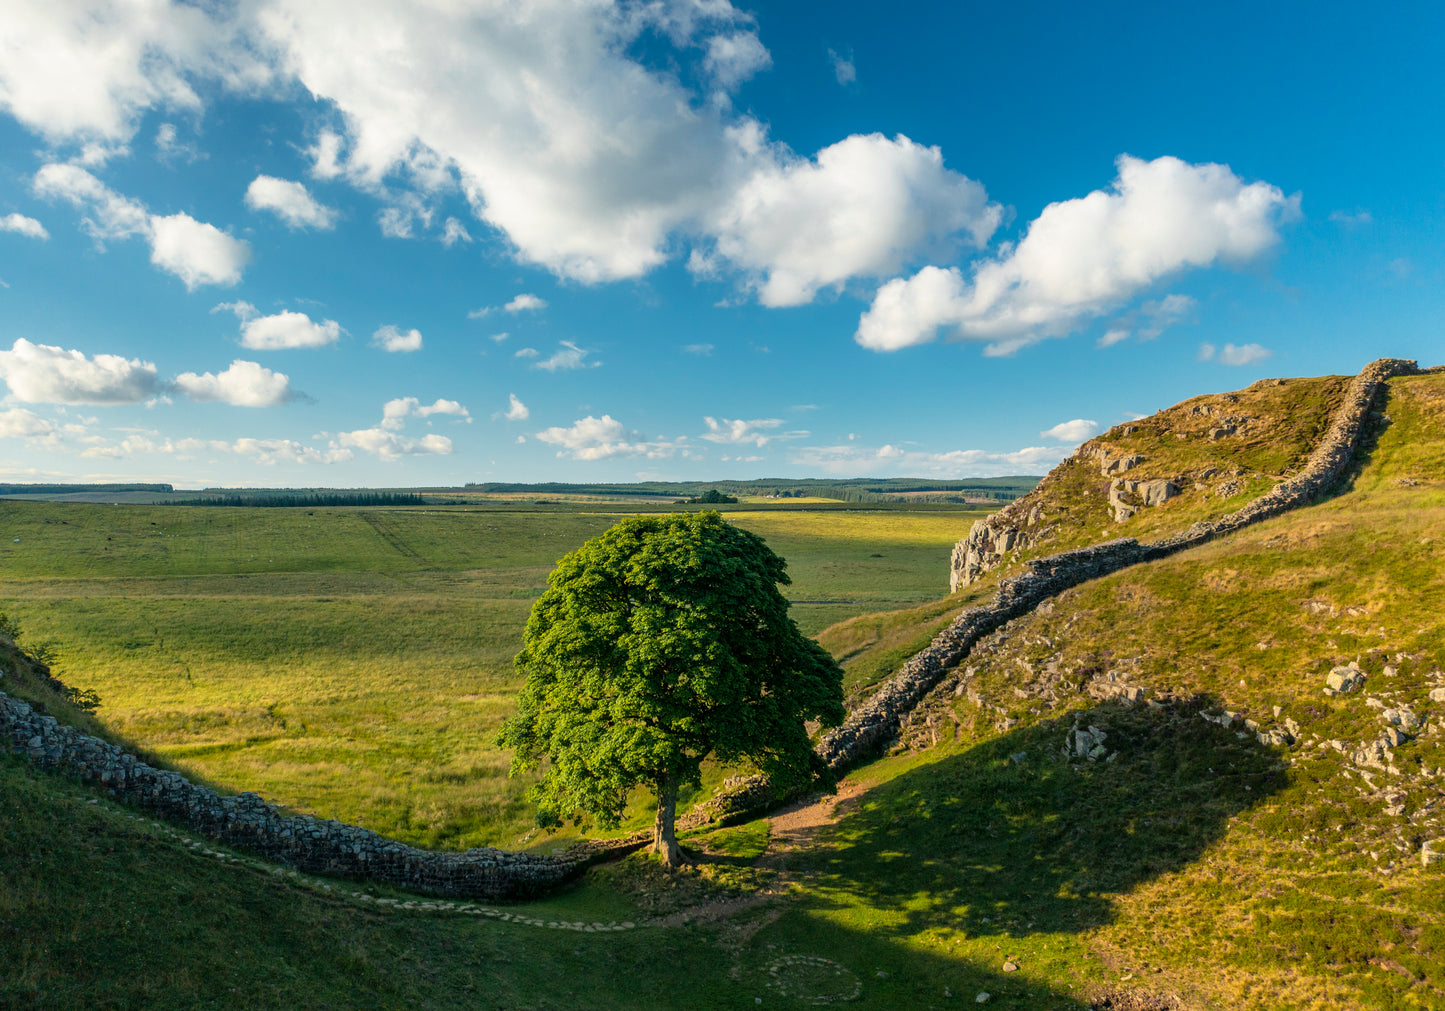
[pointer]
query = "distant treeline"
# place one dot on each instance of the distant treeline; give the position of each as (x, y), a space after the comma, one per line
(996, 489)
(67, 489)
(291, 500)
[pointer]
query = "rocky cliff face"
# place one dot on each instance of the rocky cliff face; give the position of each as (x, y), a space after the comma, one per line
(1024, 523)
(1204, 452)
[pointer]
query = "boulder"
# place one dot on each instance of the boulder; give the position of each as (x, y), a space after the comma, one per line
(1157, 492)
(1344, 679)
(1125, 496)
(1120, 464)
(1403, 718)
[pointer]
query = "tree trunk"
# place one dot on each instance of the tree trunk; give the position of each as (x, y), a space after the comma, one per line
(664, 835)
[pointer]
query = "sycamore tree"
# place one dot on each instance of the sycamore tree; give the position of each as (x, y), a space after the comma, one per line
(660, 643)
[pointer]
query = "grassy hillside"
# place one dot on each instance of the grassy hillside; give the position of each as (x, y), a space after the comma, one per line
(1187, 865)
(1314, 894)
(356, 663)
(1220, 451)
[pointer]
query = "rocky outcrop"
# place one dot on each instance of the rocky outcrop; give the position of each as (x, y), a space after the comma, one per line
(1325, 467)
(991, 540)
(1020, 524)
(1128, 497)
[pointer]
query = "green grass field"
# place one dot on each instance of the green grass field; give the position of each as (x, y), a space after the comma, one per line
(1197, 864)
(356, 663)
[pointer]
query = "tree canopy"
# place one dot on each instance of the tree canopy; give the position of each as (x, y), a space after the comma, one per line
(661, 642)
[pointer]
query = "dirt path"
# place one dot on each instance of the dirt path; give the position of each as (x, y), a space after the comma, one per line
(797, 826)
(791, 830)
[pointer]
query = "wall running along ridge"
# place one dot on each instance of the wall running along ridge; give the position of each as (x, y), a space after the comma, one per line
(323, 846)
(878, 719)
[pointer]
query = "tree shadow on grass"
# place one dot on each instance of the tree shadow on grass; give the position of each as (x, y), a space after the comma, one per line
(986, 842)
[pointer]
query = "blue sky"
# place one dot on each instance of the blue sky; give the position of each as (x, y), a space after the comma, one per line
(307, 242)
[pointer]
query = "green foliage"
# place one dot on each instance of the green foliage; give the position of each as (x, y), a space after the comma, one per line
(40, 658)
(658, 644)
(43, 653)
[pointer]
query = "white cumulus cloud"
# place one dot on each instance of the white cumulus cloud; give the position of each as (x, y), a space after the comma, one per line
(525, 302)
(453, 231)
(593, 438)
(1072, 431)
(87, 71)
(390, 338)
(735, 431)
(395, 412)
(566, 358)
(273, 451)
(287, 329)
(243, 384)
(385, 439)
(516, 410)
(1083, 257)
(734, 57)
(863, 207)
(586, 160)
(389, 445)
(195, 251)
(289, 201)
(108, 214)
(43, 374)
(19, 423)
(24, 226)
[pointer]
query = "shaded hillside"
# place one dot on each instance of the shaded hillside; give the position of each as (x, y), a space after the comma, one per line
(1156, 476)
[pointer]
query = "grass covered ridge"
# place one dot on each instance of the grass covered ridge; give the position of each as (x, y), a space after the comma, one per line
(1221, 450)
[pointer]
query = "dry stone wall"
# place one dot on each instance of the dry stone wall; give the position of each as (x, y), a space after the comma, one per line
(333, 848)
(314, 845)
(878, 719)
(992, 539)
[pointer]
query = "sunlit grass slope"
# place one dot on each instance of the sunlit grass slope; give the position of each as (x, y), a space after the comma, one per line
(1195, 865)
(1307, 889)
(1220, 450)
(356, 663)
